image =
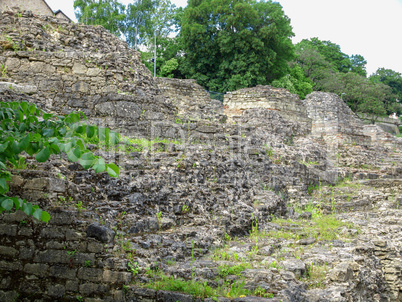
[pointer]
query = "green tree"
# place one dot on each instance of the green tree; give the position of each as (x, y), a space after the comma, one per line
(167, 48)
(230, 44)
(138, 21)
(314, 66)
(169, 67)
(108, 13)
(145, 17)
(392, 79)
(330, 51)
(295, 82)
(27, 130)
(320, 60)
(358, 65)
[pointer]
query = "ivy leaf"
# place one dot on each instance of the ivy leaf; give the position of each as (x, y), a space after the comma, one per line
(15, 148)
(114, 138)
(37, 214)
(55, 148)
(43, 155)
(22, 127)
(18, 203)
(24, 143)
(112, 170)
(27, 208)
(80, 143)
(45, 216)
(104, 134)
(80, 129)
(3, 147)
(48, 132)
(99, 165)
(3, 184)
(74, 154)
(7, 204)
(66, 147)
(47, 116)
(87, 160)
(90, 130)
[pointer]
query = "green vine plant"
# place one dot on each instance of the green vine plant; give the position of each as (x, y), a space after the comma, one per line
(26, 130)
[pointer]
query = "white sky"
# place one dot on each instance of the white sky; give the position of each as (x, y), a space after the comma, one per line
(370, 28)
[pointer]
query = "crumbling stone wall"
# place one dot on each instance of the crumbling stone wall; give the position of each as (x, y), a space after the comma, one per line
(336, 123)
(190, 99)
(379, 136)
(67, 258)
(333, 120)
(35, 6)
(389, 125)
(279, 99)
(74, 67)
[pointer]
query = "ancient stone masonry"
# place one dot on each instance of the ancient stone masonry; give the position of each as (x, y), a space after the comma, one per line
(75, 67)
(64, 260)
(279, 99)
(35, 6)
(234, 185)
(335, 122)
(191, 100)
(389, 125)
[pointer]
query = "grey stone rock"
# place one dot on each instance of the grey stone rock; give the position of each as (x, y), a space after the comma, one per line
(341, 272)
(100, 233)
(295, 266)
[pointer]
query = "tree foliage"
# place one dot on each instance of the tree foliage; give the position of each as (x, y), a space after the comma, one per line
(296, 82)
(332, 54)
(394, 80)
(26, 130)
(108, 13)
(145, 18)
(230, 44)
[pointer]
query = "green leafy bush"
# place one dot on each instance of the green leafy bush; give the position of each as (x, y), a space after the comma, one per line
(26, 130)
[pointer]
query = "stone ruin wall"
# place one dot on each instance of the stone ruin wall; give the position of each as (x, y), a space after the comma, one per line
(336, 123)
(35, 6)
(279, 99)
(333, 120)
(76, 72)
(68, 258)
(389, 125)
(67, 67)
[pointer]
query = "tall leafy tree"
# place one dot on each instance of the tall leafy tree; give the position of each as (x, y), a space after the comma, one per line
(358, 65)
(138, 21)
(230, 44)
(108, 13)
(147, 17)
(394, 80)
(295, 82)
(335, 59)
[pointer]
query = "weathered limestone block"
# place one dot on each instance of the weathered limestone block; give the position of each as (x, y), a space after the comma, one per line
(25, 89)
(79, 69)
(37, 269)
(295, 266)
(116, 277)
(342, 272)
(90, 274)
(333, 120)
(288, 105)
(100, 233)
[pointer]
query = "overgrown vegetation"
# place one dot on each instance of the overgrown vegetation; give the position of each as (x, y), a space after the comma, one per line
(27, 130)
(202, 289)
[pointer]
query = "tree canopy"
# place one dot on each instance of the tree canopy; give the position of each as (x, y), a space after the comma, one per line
(231, 44)
(108, 13)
